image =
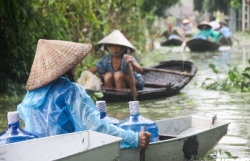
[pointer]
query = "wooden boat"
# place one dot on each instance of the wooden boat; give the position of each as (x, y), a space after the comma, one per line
(202, 45)
(225, 41)
(165, 79)
(172, 42)
(86, 145)
(181, 138)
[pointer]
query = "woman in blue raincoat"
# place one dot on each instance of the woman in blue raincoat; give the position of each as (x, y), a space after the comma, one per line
(55, 105)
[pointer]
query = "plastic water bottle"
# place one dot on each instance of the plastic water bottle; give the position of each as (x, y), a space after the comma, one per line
(135, 121)
(101, 105)
(14, 133)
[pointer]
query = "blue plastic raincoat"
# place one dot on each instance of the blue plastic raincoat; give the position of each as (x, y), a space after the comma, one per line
(62, 107)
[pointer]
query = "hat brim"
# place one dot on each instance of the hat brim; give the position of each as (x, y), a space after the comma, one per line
(200, 26)
(106, 48)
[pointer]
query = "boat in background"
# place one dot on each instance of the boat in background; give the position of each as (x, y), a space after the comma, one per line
(202, 45)
(181, 138)
(85, 145)
(164, 79)
(225, 41)
(172, 42)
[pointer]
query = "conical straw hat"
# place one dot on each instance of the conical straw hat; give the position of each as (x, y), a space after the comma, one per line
(204, 23)
(223, 22)
(117, 38)
(185, 21)
(54, 58)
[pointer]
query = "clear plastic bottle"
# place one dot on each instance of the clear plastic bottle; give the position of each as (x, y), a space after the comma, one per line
(14, 133)
(101, 105)
(135, 121)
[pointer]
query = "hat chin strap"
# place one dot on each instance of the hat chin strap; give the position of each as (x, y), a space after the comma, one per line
(119, 54)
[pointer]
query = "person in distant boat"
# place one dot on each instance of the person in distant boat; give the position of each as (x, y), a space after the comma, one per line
(186, 25)
(214, 24)
(170, 33)
(206, 32)
(187, 28)
(55, 105)
(114, 66)
(226, 34)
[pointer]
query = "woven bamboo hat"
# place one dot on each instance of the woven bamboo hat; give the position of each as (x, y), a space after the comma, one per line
(54, 58)
(204, 23)
(223, 22)
(117, 38)
(185, 21)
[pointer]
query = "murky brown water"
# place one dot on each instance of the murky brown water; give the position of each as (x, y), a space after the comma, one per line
(233, 107)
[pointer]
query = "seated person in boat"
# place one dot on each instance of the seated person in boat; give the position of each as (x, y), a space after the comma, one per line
(206, 32)
(186, 26)
(55, 105)
(226, 34)
(170, 33)
(114, 66)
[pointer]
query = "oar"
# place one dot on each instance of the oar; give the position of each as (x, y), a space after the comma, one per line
(166, 71)
(132, 82)
(142, 151)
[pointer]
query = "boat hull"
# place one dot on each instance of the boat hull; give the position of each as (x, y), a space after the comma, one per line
(202, 45)
(86, 145)
(195, 139)
(157, 83)
(225, 41)
(172, 42)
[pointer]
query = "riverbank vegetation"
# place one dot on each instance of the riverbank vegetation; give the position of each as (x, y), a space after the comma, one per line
(23, 23)
(236, 80)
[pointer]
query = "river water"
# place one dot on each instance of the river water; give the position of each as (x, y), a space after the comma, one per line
(193, 100)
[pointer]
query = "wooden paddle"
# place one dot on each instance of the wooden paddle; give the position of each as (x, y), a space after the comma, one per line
(132, 82)
(142, 151)
(166, 71)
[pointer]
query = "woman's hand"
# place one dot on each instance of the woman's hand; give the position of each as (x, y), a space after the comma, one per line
(128, 58)
(144, 139)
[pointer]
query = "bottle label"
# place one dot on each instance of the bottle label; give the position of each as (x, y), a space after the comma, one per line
(13, 117)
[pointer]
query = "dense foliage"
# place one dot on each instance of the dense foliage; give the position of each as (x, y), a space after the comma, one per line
(24, 22)
(216, 5)
(235, 81)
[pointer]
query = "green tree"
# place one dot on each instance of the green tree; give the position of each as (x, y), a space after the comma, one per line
(24, 22)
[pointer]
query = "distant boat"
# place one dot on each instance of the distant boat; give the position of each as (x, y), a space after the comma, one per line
(162, 80)
(202, 45)
(172, 42)
(225, 41)
(181, 138)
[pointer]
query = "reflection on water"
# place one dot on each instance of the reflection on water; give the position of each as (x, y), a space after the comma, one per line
(233, 107)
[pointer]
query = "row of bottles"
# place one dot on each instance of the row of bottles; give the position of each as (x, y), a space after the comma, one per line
(134, 122)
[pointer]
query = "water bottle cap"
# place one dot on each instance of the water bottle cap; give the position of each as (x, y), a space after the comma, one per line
(134, 107)
(101, 105)
(13, 116)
